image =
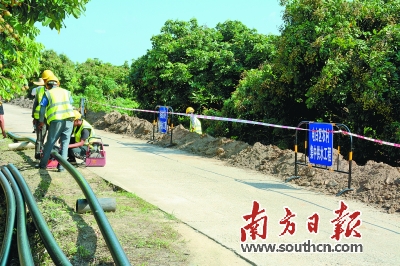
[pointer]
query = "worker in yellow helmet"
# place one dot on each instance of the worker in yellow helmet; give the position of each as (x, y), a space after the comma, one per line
(195, 125)
(40, 91)
(47, 74)
(81, 133)
(56, 106)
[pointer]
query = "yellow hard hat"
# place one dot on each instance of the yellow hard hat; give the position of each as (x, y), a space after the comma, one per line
(51, 78)
(189, 110)
(77, 115)
(46, 74)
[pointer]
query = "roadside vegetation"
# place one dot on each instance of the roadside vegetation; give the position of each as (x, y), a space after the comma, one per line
(334, 61)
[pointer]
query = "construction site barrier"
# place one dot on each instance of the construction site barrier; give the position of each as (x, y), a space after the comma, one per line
(236, 120)
(162, 123)
(315, 165)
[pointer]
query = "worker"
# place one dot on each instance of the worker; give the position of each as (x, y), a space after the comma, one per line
(39, 90)
(81, 133)
(36, 108)
(195, 125)
(56, 105)
(39, 83)
(2, 127)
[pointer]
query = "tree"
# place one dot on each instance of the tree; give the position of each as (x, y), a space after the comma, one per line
(335, 61)
(192, 65)
(19, 53)
(111, 80)
(347, 64)
(104, 85)
(62, 67)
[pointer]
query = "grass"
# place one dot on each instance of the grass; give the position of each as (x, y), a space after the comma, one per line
(146, 233)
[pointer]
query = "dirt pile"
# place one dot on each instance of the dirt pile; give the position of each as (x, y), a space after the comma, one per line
(23, 102)
(375, 184)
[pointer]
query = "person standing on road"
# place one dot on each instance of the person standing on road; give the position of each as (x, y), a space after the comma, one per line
(56, 105)
(81, 133)
(195, 124)
(3, 130)
(40, 84)
(36, 109)
(36, 90)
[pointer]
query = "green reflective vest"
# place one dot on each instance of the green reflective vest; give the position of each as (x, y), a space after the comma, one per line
(39, 94)
(85, 125)
(59, 106)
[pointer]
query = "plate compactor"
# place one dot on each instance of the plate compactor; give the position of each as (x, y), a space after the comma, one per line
(95, 155)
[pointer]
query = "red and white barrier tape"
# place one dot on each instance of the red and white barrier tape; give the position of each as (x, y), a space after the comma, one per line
(381, 142)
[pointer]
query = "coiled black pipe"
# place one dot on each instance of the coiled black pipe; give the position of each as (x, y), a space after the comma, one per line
(10, 220)
(49, 242)
(112, 242)
(24, 250)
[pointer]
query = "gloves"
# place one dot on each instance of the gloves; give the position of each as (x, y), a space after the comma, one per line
(40, 125)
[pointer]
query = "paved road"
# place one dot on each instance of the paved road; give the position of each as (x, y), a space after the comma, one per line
(212, 197)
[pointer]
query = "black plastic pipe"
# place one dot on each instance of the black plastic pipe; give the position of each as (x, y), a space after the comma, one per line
(112, 242)
(19, 138)
(49, 242)
(24, 250)
(10, 220)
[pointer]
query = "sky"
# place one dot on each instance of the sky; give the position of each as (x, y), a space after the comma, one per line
(115, 31)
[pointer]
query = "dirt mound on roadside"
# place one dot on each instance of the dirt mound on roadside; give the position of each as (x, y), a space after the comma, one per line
(122, 124)
(375, 184)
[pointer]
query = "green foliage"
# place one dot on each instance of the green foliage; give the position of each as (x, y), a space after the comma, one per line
(124, 103)
(19, 52)
(335, 61)
(192, 65)
(101, 84)
(62, 67)
(99, 103)
(111, 80)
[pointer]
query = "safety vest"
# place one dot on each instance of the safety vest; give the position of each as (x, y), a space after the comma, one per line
(59, 107)
(39, 92)
(77, 134)
(196, 125)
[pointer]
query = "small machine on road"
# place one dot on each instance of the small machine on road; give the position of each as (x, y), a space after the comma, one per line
(95, 155)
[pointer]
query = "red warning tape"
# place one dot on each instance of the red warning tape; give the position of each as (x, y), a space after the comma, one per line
(217, 118)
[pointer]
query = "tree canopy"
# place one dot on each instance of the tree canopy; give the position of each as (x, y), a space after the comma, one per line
(336, 61)
(193, 65)
(102, 84)
(19, 53)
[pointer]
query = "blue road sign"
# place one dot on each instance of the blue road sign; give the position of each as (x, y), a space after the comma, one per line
(320, 150)
(163, 119)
